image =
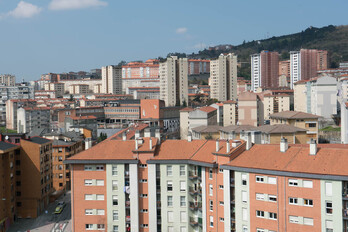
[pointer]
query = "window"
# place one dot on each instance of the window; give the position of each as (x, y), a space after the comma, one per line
(143, 181)
(99, 168)
(244, 179)
(244, 197)
(211, 205)
(182, 201)
(272, 180)
(182, 186)
(170, 216)
(328, 207)
(307, 202)
(183, 229)
(221, 170)
(114, 228)
(260, 230)
(100, 212)
(143, 165)
(293, 182)
(210, 173)
(328, 188)
(244, 214)
(100, 182)
(329, 225)
(221, 203)
(293, 200)
(183, 216)
(260, 179)
(170, 186)
(170, 229)
(245, 229)
(260, 213)
(260, 196)
(88, 197)
(114, 200)
(169, 201)
(144, 225)
(272, 198)
(308, 184)
(308, 221)
(169, 170)
(114, 185)
(293, 219)
(272, 216)
(182, 171)
(100, 197)
(115, 215)
(143, 195)
(88, 182)
(88, 168)
(312, 124)
(143, 211)
(210, 190)
(100, 226)
(221, 187)
(89, 212)
(211, 220)
(114, 170)
(89, 226)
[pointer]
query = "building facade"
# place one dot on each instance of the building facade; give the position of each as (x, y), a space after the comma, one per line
(223, 77)
(112, 79)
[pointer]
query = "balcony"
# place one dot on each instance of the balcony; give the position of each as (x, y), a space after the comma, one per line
(195, 191)
(195, 205)
(345, 214)
(127, 204)
(193, 221)
(193, 175)
(232, 182)
(158, 204)
(345, 195)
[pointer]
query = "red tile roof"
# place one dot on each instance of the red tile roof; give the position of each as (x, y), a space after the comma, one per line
(207, 109)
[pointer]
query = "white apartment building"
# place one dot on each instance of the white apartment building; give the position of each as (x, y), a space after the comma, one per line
(255, 72)
(295, 67)
(174, 81)
(223, 77)
(7, 79)
(112, 79)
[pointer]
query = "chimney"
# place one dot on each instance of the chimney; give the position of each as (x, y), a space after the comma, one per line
(283, 144)
(228, 149)
(136, 144)
(217, 145)
(158, 135)
(137, 134)
(147, 133)
(150, 141)
(124, 136)
(189, 137)
(313, 147)
(235, 143)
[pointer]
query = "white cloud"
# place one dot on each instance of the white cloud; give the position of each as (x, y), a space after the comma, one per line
(75, 4)
(181, 30)
(24, 10)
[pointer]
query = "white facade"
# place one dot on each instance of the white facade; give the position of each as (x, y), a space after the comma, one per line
(255, 72)
(295, 67)
(223, 77)
(112, 79)
(8, 80)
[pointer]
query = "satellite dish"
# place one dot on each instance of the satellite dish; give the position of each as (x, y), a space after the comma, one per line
(6, 137)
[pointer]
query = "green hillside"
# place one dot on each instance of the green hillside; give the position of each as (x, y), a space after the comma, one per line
(331, 38)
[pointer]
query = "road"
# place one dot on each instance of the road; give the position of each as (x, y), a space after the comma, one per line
(47, 222)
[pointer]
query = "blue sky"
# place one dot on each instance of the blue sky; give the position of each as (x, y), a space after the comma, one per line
(41, 36)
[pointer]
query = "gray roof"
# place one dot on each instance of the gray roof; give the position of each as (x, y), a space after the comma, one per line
(293, 115)
(39, 140)
(62, 143)
(279, 128)
(238, 128)
(38, 132)
(207, 129)
(5, 146)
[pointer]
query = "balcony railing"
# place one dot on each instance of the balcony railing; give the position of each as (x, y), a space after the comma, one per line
(193, 175)
(345, 214)
(195, 205)
(193, 190)
(193, 221)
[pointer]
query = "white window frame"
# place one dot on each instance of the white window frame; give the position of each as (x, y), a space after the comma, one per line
(292, 201)
(260, 214)
(293, 182)
(260, 179)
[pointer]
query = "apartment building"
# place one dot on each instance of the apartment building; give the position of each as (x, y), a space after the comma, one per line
(264, 70)
(79, 89)
(230, 113)
(58, 87)
(309, 122)
(250, 109)
(7, 184)
(274, 104)
(317, 96)
(223, 77)
(7, 80)
(191, 118)
(34, 184)
(11, 111)
(112, 79)
(197, 66)
(64, 146)
(30, 118)
(304, 64)
(290, 188)
(174, 81)
(284, 68)
(148, 69)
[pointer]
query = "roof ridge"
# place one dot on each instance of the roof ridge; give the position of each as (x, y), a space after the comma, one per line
(206, 141)
(293, 157)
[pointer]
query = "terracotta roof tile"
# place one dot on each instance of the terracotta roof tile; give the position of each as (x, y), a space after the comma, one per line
(293, 115)
(207, 109)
